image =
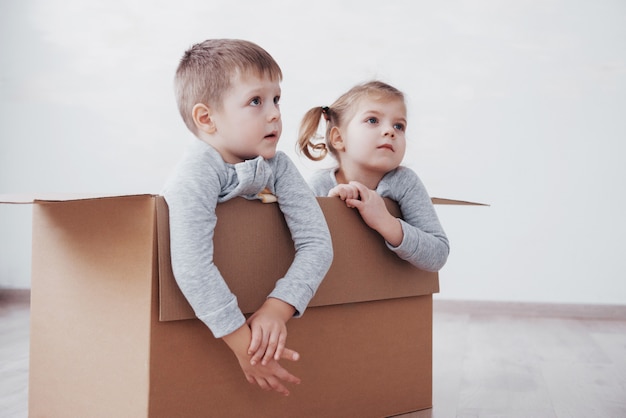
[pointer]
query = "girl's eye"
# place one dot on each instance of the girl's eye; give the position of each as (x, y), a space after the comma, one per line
(372, 120)
(255, 101)
(277, 100)
(399, 126)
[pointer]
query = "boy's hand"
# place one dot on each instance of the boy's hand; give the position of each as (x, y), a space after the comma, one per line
(270, 376)
(269, 332)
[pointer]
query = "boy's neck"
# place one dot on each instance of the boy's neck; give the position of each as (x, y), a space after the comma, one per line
(215, 145)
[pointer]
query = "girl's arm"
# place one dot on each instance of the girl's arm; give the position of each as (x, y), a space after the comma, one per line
(424, 242)
(372, 209)
(417, 238)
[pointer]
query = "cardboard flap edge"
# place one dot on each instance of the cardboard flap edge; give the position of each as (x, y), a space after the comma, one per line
(30, 198)
(444, 201)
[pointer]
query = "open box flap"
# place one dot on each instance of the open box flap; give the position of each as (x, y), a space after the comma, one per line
(28, 198)
(253, 249)
(443, 201)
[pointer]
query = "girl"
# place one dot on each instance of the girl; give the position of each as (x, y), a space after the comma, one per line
(365, 132)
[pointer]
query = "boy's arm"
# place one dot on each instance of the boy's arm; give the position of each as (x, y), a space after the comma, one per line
(192, 195)
(310, 234)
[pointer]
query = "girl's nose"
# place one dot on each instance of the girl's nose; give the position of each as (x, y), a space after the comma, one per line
(389, 132)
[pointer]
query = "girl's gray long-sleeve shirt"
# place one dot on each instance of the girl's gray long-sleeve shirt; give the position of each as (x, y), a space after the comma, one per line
(201, 181)
(425, 244)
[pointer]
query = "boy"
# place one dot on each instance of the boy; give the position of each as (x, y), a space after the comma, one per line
(228, 94)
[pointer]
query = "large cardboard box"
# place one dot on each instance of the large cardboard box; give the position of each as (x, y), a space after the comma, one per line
(112, 336)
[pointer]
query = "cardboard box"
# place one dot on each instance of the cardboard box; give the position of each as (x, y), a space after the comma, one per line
(112, 336)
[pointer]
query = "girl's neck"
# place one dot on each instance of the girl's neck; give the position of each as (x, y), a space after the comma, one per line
(344, 175)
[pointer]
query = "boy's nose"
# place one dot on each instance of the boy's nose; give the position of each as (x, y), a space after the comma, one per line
(274, 114)
(389, 132)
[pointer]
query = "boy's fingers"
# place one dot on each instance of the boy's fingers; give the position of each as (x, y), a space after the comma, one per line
(275, 380)
(277, 386)
(258, 345)
(255, 358)
(279, 350)
(285, 376)
(289, 354)
(255, 342)
(270, 350)
(263, 384)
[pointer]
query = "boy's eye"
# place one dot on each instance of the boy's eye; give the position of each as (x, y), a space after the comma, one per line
(399, 126)
(372, 120)
(255, 101)
(276, 99)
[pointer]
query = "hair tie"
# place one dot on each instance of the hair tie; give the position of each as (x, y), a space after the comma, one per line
(326, 113)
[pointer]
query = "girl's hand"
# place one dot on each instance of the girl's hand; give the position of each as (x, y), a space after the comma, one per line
(344, 192)
(372, 208)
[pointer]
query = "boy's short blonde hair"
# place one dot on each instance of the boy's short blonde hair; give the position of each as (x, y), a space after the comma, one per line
(206, 71)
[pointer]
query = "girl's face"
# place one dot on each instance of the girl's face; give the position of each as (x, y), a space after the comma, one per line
(373, 140)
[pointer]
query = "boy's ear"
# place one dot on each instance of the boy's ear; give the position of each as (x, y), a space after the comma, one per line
(335, 139)
(201, 114)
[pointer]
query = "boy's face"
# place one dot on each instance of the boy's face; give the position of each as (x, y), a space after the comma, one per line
(248, 124)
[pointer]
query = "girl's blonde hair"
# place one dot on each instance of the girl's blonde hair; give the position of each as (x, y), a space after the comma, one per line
(337, 114)
(206, 70)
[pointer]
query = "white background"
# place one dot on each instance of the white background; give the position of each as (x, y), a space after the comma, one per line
(519, 104)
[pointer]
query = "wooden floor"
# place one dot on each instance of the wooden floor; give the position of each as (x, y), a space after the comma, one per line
(489, 360)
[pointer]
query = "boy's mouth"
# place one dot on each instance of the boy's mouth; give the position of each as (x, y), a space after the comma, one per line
(386, 146)
(272, 135)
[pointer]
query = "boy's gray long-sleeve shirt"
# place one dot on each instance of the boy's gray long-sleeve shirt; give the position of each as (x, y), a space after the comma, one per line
(425, 244)
(201, 181)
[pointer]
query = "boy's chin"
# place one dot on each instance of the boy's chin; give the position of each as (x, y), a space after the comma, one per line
(268, 154)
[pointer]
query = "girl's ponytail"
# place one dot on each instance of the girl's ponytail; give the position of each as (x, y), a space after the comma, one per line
(308, 139)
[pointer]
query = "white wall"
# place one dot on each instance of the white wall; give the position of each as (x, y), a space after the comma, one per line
(518, 104)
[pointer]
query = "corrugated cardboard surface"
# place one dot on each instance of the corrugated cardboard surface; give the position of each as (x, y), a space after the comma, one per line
(368, 359)
(91, 307)
(98, 348)
(363, 268)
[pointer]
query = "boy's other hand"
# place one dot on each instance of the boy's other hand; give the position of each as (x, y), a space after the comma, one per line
(270, 376)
